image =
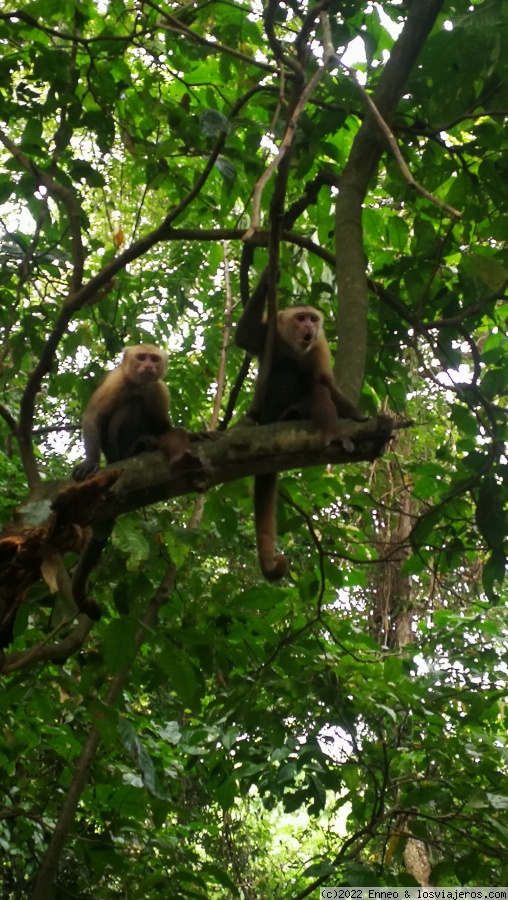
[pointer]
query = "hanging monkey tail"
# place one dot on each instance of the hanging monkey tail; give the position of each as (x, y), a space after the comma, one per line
(273, 566)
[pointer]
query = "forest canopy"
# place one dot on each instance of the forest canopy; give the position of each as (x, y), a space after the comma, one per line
(212, 735)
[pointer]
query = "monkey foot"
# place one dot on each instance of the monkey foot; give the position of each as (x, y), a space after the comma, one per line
(347, 443)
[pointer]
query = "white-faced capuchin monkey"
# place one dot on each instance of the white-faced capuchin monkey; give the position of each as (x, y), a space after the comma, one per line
(129, 413)
(300, 384)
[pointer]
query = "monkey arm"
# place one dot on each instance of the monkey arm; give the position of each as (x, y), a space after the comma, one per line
(157, 400)
(98, 407)
(250, 332)
(92, 442)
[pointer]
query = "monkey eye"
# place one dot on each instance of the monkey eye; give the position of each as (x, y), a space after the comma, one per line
(154, 358)
(304, 316)
(141, 356)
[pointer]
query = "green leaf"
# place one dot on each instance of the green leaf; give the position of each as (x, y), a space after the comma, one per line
(118, 644)
(227, 169)
(221, 877)
(319, 870)
(487, 269)
(398, 233)
(494, 573)
(138, 752)
(226, 793)
(181, 675)
(129, 539)
(490, 514)
(213, 123)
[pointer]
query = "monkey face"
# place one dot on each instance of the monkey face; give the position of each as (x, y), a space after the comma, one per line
(144, 364)
(147, 366)
(306, 329)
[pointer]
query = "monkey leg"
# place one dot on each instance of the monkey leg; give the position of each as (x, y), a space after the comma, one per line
(324, 413)
(273, 566)
(175, 443)
(145, 443)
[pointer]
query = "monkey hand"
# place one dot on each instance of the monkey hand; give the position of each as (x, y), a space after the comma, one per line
(85, 469)
(346, 442)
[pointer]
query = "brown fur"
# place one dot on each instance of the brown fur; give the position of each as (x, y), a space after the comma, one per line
(300, 384)
(129, 413)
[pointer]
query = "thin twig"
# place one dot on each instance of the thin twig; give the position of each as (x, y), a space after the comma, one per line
(289, 134)
(226, 332)
(394, 147)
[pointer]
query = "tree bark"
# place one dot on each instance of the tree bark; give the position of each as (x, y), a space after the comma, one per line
(363, 159)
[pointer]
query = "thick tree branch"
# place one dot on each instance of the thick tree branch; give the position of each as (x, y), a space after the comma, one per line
(47, 650)
(62, 510)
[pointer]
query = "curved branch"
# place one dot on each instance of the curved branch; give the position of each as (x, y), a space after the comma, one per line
(394, 147)
(50, 652)
(173, 25)
(66, 196)
(9, 419)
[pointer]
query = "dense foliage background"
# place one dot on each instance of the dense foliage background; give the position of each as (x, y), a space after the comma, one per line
(213, 736)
